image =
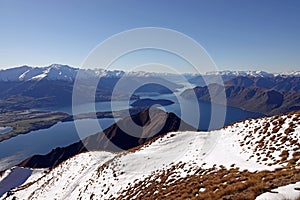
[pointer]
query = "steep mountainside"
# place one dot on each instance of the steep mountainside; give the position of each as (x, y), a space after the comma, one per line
(242, 94)
(256, 91)
(241, 161)
(278, 83)
(115, 137)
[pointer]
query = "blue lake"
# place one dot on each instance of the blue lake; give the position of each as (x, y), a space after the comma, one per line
(16, 149)
(102, 106)
(204, 115)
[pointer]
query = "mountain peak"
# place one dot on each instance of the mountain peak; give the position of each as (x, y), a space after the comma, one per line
(65, 72)
(61, 66)
(254, 73)
(150, 123)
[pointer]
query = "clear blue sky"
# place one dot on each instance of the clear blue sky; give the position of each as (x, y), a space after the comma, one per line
(238, 34)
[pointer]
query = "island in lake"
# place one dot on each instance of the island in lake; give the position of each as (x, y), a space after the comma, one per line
(151, 102)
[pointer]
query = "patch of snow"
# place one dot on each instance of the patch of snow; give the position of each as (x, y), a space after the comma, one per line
(36, 174)
(5, 129)
(5, 173)
(22, 76)
(291, 192)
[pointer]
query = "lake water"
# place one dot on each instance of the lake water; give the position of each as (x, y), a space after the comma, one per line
(16, 149)
(103, 106)
(204, 115)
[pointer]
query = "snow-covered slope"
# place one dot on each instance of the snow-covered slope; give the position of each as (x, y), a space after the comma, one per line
(291, 191)
(238, 154)
(25, 73)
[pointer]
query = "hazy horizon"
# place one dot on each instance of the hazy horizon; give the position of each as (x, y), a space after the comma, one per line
(154, 71)
(238, 35)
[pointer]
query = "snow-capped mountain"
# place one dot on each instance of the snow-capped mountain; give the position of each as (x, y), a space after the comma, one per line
(257, 73)
(240, 73)
(295, 73)
(25, 73)
(240, 161)
(53, 72)
(67, 73)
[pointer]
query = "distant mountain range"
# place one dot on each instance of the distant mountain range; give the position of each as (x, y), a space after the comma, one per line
(257, 73)
(211, 77)
(67, 73)
(32, 87)
(268, 95)
(28, 87)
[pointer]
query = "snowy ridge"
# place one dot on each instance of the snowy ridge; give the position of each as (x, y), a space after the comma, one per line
(257, 73)
(242, 151)
(67, 73)
(53, 72)
(25, 73)
(70, 174)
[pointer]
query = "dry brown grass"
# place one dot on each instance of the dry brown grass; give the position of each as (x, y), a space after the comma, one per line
(233, 184)
(219, 184)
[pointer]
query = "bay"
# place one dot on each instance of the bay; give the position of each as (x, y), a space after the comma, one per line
(18, 148)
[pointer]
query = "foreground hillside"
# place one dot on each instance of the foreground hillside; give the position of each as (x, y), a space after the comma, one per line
(241, 161)
(115, 138)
